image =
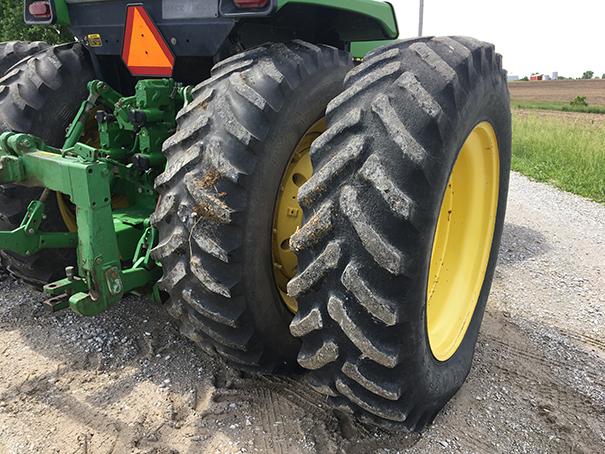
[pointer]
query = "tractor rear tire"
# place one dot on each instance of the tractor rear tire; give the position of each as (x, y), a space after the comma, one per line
(218, 195)
(12, 52)
(382, 178)
(40, 95)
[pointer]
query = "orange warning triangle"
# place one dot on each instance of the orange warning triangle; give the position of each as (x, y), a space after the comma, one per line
(145, 52)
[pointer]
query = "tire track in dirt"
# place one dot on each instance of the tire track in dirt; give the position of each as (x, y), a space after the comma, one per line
(584, 340)
(549, 363)
(553, 387)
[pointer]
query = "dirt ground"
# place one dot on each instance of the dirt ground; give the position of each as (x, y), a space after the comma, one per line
(126, 381)
(559, 90)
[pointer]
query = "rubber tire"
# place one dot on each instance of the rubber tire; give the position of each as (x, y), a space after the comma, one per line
(40, 96)
(218, 194)
(12, 52)
(365, 255)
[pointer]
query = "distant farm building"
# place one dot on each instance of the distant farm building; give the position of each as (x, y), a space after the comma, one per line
(554, 76)
(512, 78)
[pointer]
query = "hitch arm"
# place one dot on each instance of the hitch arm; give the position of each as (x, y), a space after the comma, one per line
(27, 239)
(21, 242)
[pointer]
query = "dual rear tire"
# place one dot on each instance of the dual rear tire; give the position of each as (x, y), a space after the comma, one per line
(403, 216)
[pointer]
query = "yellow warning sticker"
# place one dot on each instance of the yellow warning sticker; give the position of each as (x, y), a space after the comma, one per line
(94, 40)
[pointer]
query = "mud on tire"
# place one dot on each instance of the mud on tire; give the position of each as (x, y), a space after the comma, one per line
(218, 193)
(381, 170)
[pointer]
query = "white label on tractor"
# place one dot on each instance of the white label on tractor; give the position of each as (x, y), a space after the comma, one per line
(187, 9)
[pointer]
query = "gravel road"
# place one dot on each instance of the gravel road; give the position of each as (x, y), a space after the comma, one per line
(126, 381)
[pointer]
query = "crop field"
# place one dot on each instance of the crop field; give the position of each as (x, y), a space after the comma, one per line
(558, 91)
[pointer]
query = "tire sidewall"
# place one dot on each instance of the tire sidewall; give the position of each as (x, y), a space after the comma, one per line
(486, 103)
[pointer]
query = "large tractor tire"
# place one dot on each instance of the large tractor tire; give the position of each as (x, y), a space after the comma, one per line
(239, 152)
(403, 219)
(12, 52)
(40, 95)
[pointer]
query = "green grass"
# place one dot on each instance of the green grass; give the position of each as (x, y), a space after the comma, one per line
(567, 154)
(559, 106)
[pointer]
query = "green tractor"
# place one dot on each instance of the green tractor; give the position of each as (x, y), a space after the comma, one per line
(299, 189)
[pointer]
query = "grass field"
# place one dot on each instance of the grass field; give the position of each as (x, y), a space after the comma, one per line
(560, 106)
(563, 149)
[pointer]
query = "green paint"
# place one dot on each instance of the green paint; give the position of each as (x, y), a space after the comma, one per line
(382, 12)
(61, 12)
(27, 240)
(129, 158)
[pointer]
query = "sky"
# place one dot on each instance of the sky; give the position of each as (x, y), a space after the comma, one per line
(532, 35)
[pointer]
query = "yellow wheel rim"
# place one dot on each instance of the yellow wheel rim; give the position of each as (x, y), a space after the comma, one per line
(288, 215)
(89, 137)
(69, 218)
(463, 241)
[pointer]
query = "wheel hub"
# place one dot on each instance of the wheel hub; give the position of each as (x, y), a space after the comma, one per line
(288, 215)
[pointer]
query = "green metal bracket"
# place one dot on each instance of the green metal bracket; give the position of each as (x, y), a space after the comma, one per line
(109, 186)
(98, 92)
(71, 291)
(87, 183)
(27, 240)
(144, 270)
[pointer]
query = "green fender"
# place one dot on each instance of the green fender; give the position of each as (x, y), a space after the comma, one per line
(61, 12)
(381, 12)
